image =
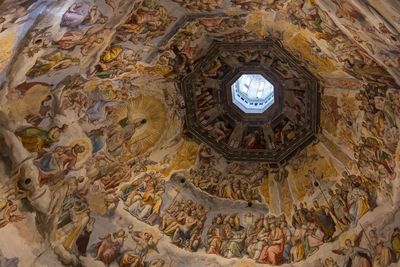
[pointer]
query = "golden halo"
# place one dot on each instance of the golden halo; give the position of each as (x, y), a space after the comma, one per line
(150, 231)
(346, 235)
(88, 149)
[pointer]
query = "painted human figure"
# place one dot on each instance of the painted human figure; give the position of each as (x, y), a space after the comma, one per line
(7, 212)
(220, 131)
(215, 236)
(147, 22)
(79, 214)
(206, 157)
(357, 200)
(382, 253)
(170, 215)
(75, 14)
(52, 62)
(122, 133)
(233, 245)
(144, 242)
(144, 205)
(101, 100)
(288, 241)
(324, 220)
(339, 208)
(36, 140)
(395, 241)
(253, 140)
(183, 232)
(313, 236)
(255, 241)
(272, 253)
(179, 219)
(356, 256)
(110, 246)
(330, 262)
(83, 239)
(62, 160)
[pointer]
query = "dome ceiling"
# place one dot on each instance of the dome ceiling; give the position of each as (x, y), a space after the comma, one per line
(199, 133)
(288, 124)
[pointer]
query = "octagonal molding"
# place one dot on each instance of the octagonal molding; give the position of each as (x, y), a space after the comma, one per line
(273, 134)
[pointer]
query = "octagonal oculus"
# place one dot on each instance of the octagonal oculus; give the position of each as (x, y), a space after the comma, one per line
(252, 93)
(221, 87)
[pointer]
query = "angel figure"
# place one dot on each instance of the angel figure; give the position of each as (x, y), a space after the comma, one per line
(355, 256)
(144, 244)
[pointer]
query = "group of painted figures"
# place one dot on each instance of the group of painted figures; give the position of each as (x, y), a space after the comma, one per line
(268, 239)
(111, 247)
(99, 170)
(238, 184)
(376, 152)
(272, 240)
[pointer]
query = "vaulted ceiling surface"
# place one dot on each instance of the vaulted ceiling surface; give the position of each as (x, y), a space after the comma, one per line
(117, 117)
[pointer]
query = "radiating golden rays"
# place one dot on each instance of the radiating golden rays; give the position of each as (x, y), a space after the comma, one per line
(265, 190)
(299, 182)
(184, 158)
(153, 110)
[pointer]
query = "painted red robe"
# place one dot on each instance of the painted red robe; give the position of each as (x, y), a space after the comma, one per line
(272, 254)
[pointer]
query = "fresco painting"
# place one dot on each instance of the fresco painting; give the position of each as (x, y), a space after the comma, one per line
(98, 166)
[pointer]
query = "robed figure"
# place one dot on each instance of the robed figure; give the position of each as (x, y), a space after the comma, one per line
(272, 252)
